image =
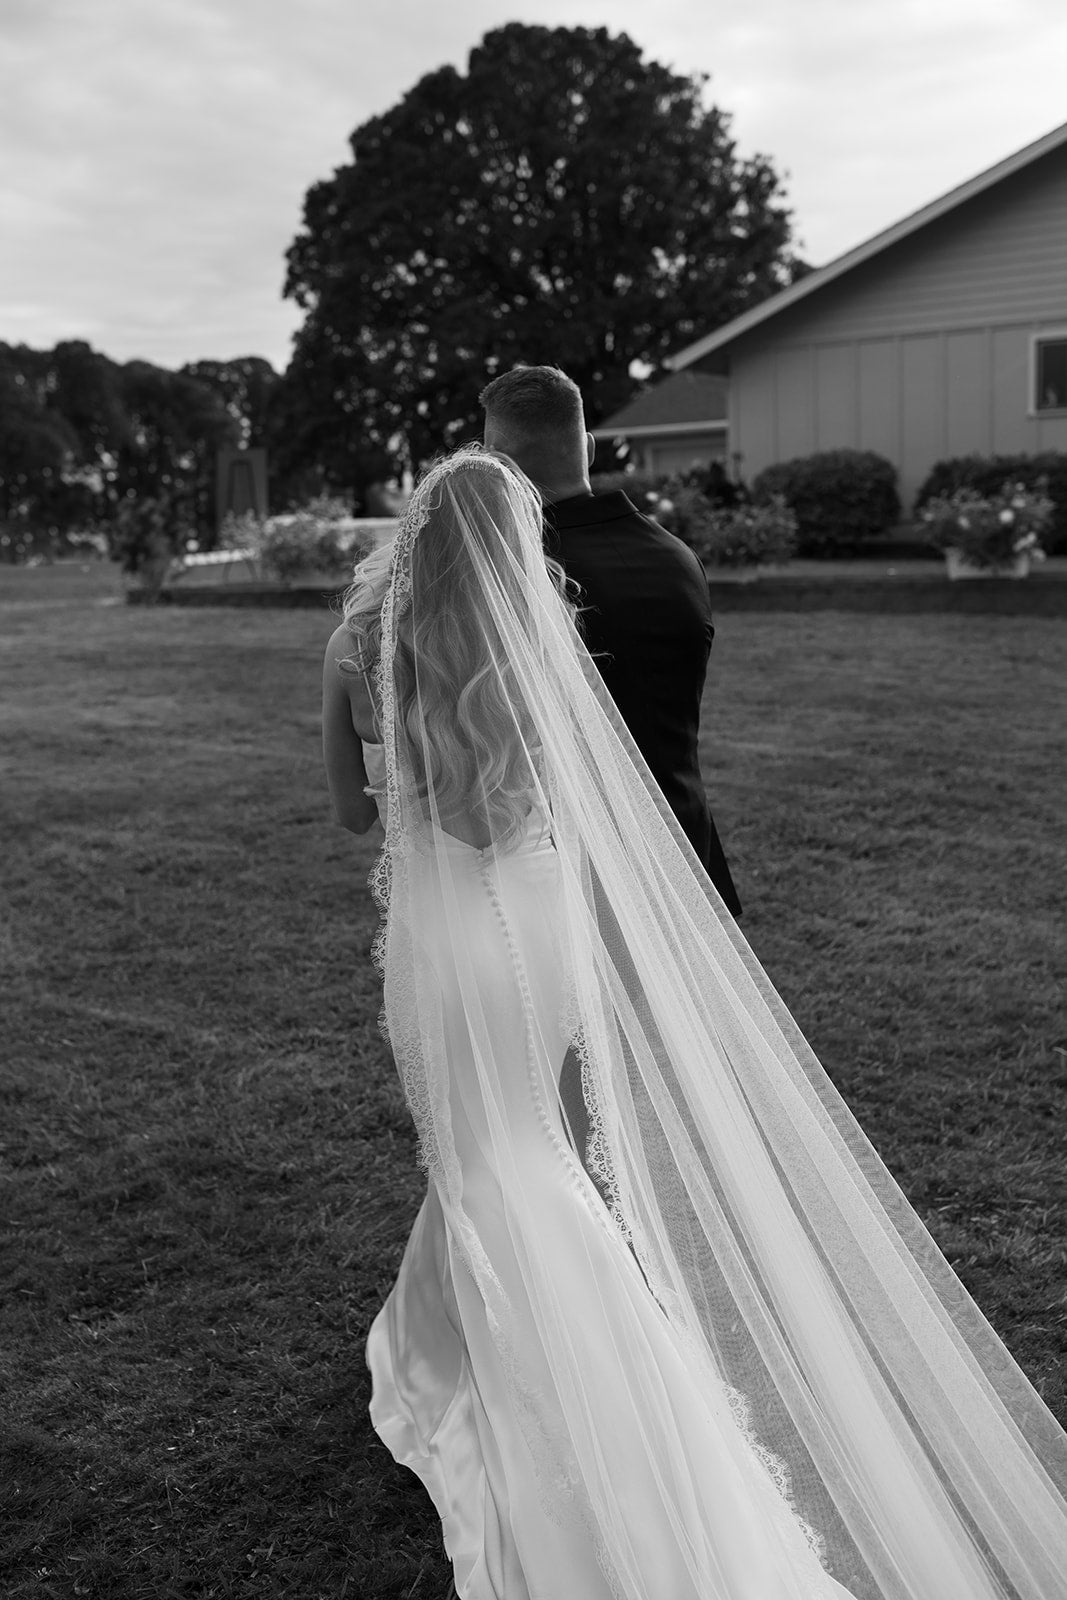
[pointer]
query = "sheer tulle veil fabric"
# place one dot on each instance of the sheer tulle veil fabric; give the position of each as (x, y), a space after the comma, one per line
(539, 898)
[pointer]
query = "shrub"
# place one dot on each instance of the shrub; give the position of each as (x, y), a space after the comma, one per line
(147, 536)
(839, 497)
(239, 532)
(985, 475)
(680, 508)
(680, 502)
(744, 535)
(291, 546)
(320, 537)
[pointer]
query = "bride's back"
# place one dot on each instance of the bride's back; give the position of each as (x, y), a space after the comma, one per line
(466, 750)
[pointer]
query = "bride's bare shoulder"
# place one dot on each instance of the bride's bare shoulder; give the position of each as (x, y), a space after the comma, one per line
(342, 644)
(350, 674)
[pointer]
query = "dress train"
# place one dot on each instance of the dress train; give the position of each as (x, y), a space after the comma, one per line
(695, 1512)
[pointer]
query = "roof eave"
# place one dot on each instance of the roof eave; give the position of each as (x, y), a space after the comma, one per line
(650, 430)
(871, 247)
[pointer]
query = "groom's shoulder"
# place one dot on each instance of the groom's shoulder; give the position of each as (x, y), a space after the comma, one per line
(667, 545)
(612, 512)
(594, 535)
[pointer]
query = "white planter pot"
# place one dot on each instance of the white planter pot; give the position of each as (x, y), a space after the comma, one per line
(958, 566)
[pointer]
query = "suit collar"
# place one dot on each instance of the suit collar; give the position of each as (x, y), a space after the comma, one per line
(582, 509)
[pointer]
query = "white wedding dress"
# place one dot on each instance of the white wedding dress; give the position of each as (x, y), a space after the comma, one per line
(514, 1528)
(715, 1355)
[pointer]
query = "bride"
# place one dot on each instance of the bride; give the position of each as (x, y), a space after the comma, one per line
(714, 1355)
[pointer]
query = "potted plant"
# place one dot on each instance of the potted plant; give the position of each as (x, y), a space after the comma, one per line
(990, 535)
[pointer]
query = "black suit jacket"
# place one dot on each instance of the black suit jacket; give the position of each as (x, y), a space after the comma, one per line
(647, 623)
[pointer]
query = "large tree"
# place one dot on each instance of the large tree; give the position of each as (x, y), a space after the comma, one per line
(565, 201)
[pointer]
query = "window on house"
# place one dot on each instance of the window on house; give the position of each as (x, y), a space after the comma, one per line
(1050, 374)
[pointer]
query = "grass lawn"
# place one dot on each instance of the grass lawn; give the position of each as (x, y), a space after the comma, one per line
(207, 1170)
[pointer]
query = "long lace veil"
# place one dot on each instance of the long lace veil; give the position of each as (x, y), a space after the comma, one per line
(787, 1261)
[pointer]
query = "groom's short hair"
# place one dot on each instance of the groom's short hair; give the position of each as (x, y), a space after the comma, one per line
(534, 400)
(535, 415)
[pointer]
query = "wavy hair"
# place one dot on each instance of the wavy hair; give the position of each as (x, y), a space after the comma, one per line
(465, 728)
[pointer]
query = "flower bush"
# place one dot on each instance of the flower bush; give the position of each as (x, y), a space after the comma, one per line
(745, 535)
(320, 537)
(1044, 473)
(715, 516)
(679, 507)
(990, 530)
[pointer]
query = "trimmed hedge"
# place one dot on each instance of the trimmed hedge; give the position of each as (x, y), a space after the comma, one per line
(987, 475)
(841, 498)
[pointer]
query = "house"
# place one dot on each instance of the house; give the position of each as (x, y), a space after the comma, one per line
(676, 424)
(945, 335)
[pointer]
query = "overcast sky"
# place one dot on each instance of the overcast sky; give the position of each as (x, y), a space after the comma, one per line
(154, 154)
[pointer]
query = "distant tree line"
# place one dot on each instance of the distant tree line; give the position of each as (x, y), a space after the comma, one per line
(83, 438)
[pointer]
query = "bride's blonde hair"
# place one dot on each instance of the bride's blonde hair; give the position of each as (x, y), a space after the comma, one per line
(452, 678)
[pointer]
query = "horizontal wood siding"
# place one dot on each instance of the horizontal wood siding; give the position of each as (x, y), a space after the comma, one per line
(1000, 258)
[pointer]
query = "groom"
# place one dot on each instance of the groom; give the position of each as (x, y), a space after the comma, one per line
(646, 614)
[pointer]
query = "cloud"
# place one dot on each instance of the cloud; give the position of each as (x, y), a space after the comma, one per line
(157, 178)
(154, 154)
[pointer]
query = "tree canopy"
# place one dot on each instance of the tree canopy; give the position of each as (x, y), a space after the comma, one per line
(247, 386)
(564, 201)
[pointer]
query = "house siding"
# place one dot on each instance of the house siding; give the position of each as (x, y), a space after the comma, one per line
(877, 408)
(678, 452)
(922, 352)
(999, 258)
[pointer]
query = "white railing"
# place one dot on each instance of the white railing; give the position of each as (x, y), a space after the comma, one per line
(224, 561)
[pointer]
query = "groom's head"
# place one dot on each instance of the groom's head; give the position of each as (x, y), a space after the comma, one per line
(535, 416)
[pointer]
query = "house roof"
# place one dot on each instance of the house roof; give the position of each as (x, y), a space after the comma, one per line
(683, 403)
(871, 247)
